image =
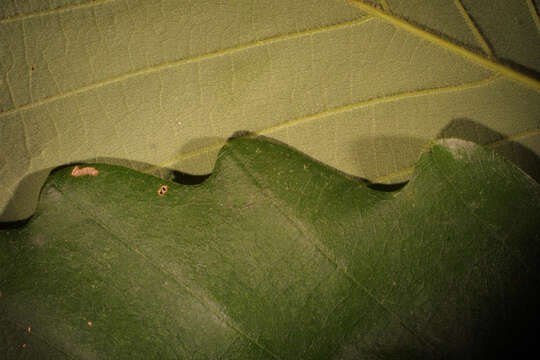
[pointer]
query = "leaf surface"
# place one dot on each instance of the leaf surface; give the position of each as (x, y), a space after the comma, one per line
(160, 86)
(276, 256)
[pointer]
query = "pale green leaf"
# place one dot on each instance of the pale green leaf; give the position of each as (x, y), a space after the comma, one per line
(159, 86)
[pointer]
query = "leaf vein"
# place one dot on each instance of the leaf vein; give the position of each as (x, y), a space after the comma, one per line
(58, 10)
(201, 299)
(472, 26)
(437, 40)
(534, 13)
(325, 251)
(172, 64)
(330, 112)
(489, 227)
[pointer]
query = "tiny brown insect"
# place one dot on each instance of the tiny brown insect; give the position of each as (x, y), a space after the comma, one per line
(162, 190)
(77, 171)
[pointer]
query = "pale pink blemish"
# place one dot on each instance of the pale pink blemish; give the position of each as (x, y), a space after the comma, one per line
(77, 171)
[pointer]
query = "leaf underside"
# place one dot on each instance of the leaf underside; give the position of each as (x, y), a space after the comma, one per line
(360, 85)
(276, 256)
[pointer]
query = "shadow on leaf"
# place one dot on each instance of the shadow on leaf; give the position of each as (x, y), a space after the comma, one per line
(470, 130)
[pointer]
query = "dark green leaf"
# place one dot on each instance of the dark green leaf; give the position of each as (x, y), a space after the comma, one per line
(276, 256)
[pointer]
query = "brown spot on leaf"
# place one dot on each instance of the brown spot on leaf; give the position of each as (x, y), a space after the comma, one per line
(162, 190)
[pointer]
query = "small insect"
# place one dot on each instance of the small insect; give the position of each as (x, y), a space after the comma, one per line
(162, 190)
(77, 171)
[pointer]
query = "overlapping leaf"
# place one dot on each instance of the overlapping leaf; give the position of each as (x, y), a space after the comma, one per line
(277, 257)
(160, 85)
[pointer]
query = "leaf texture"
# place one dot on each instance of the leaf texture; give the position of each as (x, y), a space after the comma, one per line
(159, 86)
(277, 256)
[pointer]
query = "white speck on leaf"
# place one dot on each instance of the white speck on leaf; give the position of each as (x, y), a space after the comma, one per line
(458, 148)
